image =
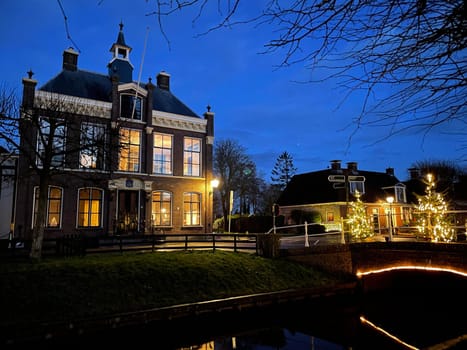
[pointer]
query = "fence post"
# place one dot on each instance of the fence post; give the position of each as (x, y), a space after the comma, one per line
(307, 244)
(235, 243)
(213, 243)
(186, 242)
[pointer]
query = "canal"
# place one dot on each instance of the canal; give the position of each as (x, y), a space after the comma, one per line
(413, 311)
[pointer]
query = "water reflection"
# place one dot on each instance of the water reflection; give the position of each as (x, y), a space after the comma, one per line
(429, 317)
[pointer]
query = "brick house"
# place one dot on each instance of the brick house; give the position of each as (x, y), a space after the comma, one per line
(151, 173)
(328, 192)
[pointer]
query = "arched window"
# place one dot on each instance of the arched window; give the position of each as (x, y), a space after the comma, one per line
(54, 206)
(90, 207)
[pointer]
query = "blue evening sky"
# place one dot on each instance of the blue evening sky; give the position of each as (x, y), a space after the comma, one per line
(264, 108)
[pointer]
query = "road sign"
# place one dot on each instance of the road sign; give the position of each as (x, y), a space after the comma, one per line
(336, 178)
(356, 178)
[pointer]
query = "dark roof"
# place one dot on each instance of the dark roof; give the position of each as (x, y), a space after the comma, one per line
(95, 86)
(314, 187)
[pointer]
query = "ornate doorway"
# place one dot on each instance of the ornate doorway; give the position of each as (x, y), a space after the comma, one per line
(128, 212)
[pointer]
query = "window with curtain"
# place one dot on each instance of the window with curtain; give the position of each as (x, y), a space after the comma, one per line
(92, 146)
(130, 144)
(90, 207)
(53, 209)
(191, 156)
(161, 210)
(191, 209)
(162, 154)
(51, 131)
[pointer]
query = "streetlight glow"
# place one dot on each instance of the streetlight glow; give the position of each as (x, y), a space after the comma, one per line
(214, 183)
(390, 200)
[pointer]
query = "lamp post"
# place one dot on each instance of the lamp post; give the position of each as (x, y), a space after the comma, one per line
(390, 200)
(214, 184)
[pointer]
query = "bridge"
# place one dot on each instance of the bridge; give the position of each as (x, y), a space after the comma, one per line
(378, 264)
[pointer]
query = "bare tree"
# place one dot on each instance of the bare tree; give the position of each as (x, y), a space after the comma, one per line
(234, 169)
(415, 49)
(51, 137)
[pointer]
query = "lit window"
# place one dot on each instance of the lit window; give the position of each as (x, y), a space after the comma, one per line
(130, 141)
(191, 156)
(89, 207)
(191, 209)
(161, 212)
(162, 154)
(54, 207)
(92, 146)
(330, 216)
(51, 131)
(130, 107)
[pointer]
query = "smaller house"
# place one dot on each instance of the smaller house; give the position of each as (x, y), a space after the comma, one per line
(327, 193)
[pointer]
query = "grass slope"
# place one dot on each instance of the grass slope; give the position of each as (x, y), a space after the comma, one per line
(73, 288)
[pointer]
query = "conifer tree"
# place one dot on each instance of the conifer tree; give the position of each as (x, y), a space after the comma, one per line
(283, 170)
(433, 221)
(359, 225)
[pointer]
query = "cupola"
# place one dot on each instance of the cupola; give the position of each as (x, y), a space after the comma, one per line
(120, 64)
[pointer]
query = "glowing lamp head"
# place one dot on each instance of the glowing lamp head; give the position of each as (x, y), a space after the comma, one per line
(214, 183)
(390, 199)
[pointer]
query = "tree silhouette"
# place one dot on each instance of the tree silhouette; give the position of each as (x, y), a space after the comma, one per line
(407, 57)
(51, 135)
(283, 170)
(235, 171)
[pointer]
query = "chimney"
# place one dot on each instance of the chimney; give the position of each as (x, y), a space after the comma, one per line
(352, 166)
(70, 60)
(414, 173)
(29, 90)
(390, 171)
(335, 165)
(163, 81)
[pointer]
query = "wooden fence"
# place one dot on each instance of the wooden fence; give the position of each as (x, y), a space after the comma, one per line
(78, 245)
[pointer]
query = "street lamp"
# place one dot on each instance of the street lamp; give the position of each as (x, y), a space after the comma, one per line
(214, 184)
(390, 200)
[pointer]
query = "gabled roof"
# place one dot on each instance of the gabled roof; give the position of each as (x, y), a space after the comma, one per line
(95, 86)
(314, 187)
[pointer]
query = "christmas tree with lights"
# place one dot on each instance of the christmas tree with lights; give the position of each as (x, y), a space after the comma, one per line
(359, 225)
(433, 221)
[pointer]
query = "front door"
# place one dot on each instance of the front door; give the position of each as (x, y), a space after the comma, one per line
(128, 215)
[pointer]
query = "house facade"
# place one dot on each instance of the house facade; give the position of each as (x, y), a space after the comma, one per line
(8, 171)
(328, 192)
(129, 157)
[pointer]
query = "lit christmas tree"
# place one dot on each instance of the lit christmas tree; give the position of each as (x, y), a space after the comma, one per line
(433, 222)
(359, 225)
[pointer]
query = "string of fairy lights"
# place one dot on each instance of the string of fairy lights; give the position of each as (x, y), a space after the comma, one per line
(433, 221)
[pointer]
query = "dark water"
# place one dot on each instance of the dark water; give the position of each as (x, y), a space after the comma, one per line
(412, 315)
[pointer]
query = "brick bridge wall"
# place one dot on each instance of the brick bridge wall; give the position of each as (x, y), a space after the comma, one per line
(363, 257)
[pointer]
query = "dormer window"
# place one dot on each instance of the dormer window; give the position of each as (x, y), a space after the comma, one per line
(400, 193)
(131, 107)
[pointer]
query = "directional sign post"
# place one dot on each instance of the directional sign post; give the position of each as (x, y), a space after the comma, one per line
(336, 178)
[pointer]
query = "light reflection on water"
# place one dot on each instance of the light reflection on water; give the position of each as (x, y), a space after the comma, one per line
(402, 318)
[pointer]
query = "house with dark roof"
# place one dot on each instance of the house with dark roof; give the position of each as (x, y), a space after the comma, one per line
(328, 192)
(131, 158)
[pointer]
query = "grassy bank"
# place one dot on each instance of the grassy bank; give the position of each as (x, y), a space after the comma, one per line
(64, 289)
